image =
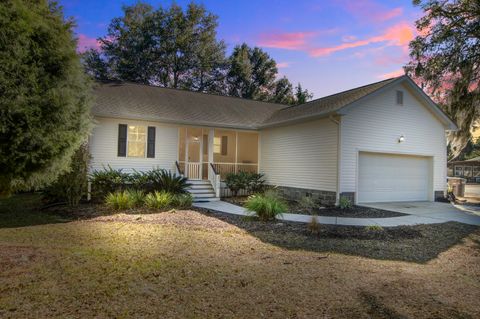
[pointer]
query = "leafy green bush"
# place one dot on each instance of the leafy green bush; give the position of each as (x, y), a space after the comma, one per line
(163, 180)
(71, 186)
(182, 201)
(345, 203)
(139, 180)
(266, 206)
(159, 200)
(251, 182)
(135, 197)
(119, 200)
(307, 203)
(107, 181)
(255, 182)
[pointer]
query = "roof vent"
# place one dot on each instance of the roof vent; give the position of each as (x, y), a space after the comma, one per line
(399, 97)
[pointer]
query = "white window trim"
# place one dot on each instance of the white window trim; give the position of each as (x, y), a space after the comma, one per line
(146, 142)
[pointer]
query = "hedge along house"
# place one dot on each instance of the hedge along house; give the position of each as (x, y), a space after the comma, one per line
(380, 142)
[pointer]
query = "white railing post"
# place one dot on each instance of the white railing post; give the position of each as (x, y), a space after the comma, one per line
(217, 186)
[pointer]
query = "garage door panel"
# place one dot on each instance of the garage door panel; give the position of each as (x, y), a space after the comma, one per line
(388, 177)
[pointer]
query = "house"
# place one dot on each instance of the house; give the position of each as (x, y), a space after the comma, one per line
(468, 169)
(380, 142)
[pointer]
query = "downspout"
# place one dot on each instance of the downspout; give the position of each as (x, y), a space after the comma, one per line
(339, 152)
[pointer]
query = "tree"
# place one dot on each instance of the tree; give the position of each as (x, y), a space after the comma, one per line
(44, 94)
(445, 60)
(251, 74)
(283, 93)
(301, 95)
(166, 47)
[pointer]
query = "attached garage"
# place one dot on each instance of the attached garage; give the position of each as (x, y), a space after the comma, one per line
(392, 177)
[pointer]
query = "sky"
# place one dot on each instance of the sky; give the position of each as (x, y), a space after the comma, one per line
(327, 46)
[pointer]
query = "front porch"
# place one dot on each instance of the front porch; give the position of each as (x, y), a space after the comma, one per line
(203, 152)
(207, 155)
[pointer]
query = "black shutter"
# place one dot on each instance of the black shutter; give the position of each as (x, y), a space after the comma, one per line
(122, 140)
(151, 142)
(224, 145)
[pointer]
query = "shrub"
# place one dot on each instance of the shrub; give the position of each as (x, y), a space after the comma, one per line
(314, 226)
(139, 180)
(266, 206)
(344, 203)
(235, 182)
(251, 182)
(182, 201)
(163, 180)
(307, 203)
(374, 228)
(119, 200)
(255, 183)
(159, 200)
(71, 186)
(136, 197)
(107, 181)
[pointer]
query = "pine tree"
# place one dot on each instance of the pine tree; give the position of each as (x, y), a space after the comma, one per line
(44, 94)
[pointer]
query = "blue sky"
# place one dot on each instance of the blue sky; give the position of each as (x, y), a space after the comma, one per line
(328, 46)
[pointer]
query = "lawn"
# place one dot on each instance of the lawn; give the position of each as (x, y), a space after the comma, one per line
(189, 264)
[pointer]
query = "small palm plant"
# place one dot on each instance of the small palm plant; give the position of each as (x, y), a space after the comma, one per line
(266, 206)
(118, 200)
(166, 181)
(159, 200)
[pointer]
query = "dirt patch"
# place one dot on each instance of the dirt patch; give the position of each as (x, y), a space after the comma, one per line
(180, 218)
(355, 211)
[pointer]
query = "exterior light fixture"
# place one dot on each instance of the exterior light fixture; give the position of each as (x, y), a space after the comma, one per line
(195, 138)
(401, 139)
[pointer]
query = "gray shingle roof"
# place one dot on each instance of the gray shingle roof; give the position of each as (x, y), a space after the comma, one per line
(143, 102)
(324, 105)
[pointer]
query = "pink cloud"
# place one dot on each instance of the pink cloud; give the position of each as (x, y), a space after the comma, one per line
(369, 10)
(289, 41)
(282, 65)
(393, 74)
(398, 35)
(85, 43)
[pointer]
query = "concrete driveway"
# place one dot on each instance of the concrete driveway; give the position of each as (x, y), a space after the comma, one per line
(441, 212)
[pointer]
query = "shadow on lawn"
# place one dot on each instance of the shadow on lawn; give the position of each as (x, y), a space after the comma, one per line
(23, 210)
(418, 244)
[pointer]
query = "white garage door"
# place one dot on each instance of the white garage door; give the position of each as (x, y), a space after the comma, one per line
(390, 178)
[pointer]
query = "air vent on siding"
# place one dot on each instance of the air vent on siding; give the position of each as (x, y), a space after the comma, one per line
(399, 97)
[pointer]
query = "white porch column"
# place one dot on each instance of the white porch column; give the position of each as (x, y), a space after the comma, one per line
(211, 135)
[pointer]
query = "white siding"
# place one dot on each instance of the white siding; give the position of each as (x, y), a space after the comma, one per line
(104, 140)
(376, 124)
(302, 155)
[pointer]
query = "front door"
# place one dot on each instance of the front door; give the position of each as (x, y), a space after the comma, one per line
(193, 153)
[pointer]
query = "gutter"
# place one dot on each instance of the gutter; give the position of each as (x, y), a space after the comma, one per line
(339, 153)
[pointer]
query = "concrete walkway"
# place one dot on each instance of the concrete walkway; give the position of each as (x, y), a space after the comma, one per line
(419, 213)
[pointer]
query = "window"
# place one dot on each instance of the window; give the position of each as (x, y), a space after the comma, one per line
(467, 171)
(400, 97)
(136, 141)
(476, 171)
(217, 145)
(458, 170)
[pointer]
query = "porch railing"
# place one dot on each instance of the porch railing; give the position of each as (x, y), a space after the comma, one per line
(226, 168)
(195, 170)
(215, 179)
